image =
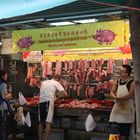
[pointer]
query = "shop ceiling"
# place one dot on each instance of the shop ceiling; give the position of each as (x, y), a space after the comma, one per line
(81, 9)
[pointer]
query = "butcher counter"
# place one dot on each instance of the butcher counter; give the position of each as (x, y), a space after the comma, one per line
(69, 123)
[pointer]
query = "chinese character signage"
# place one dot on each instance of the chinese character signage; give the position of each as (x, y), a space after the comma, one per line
(93, 35)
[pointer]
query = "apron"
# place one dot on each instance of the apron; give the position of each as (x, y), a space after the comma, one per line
(50, 111)
(122, 111)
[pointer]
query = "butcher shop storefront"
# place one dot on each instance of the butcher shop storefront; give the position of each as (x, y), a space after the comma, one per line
(88, 58)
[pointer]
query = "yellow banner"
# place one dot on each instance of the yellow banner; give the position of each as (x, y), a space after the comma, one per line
(86, 55)
(95, 35)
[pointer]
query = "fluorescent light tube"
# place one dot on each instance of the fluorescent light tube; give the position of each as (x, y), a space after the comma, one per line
(61, 23)
(86, 20)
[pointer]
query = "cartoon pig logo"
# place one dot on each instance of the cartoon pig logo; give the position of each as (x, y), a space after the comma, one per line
(25, 42)
(104, 36)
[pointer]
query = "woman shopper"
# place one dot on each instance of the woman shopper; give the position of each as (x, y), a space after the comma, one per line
(4, 105)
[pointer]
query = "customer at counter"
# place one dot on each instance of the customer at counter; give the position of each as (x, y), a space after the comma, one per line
(30, 88)
(48, 92)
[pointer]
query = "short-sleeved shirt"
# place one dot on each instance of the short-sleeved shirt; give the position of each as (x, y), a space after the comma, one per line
(48, 90)
(3, 90)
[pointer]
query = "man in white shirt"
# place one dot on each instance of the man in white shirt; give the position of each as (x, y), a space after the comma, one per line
(48, 92)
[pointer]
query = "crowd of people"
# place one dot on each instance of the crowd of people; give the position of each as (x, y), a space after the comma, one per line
(122, 114)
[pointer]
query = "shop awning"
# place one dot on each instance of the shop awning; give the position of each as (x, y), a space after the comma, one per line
(13, 8)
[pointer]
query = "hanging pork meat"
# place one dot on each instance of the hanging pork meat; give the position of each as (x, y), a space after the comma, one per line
(77, 76)
(75, 64)
(44, 66)
(70, 65)
(58, 67)
(35, 68)
(110, 66)
(65, 66)
(30, 71)
(93, 64)
(49, 68)
(87, 75)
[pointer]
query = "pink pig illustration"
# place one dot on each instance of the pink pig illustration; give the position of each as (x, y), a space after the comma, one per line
(104, 36)
(25, 42)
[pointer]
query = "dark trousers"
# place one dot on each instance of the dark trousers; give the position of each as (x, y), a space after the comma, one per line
(7, 124)
(3, 125)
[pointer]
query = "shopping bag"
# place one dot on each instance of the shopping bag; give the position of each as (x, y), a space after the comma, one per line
(28, 119)
(114, 137)
(90, 123)
(22, 99)
(114, 132)
(19, 116)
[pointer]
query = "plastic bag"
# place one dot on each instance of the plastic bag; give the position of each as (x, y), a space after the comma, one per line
(114, 137)
(28, 119)
(22, 99)
(114, 132)
(19, 116)
(90, 123)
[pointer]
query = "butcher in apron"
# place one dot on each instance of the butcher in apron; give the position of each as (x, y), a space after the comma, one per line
(48, 92)
(122, 114)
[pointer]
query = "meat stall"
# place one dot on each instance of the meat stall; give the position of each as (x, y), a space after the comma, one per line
(70, 117)
(88, 58)
(88, 83)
